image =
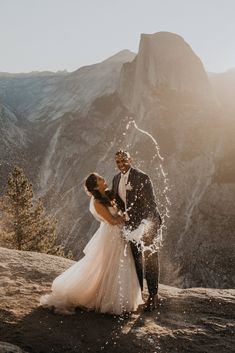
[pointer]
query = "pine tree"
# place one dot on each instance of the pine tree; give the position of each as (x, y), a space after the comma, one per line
(24, 220)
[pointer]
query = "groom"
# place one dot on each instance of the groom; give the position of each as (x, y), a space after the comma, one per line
(134, 195)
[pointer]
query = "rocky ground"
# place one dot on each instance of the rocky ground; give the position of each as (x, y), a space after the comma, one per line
(189, 320)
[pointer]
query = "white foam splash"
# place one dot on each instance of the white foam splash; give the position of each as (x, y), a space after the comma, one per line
(163, 201)
(132, 122)
(140, 235)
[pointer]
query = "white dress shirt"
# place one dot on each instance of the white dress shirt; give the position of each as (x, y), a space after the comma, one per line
(122, 186)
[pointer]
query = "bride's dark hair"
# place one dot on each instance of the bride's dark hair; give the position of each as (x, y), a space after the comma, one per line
(91, 187)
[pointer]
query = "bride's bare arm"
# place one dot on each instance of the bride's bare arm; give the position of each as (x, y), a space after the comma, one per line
(104, 213)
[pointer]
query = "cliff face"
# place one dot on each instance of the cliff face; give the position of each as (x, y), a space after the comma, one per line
(224, 86)
(165, 62)
(187, 321)
(71, 124)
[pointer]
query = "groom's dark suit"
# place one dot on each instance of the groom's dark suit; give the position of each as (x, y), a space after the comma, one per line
(140, 204)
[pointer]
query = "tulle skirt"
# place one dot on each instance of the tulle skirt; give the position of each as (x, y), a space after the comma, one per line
(104, 280)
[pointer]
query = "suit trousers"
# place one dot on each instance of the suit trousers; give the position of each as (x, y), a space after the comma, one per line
(150, 262)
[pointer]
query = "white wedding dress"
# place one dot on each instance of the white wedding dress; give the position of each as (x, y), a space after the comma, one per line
(104, 280)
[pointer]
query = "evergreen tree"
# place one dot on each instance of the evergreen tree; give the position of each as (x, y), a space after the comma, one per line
(24, 220)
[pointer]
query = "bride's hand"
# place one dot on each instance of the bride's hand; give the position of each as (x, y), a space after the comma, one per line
(119, 220)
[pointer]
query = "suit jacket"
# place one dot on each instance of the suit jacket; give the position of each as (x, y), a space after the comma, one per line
(140, 198)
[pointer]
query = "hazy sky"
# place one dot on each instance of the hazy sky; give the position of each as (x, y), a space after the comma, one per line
(67, 34)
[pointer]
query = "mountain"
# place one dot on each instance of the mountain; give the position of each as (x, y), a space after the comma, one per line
(73, 123)
(189, 320)
(175, 101)
(224, 85)
(164, 62)
(49, 95)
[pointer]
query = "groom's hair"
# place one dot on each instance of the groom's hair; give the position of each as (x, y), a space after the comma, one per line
(122, 153)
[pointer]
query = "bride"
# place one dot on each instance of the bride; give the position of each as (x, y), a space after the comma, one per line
(105, 279)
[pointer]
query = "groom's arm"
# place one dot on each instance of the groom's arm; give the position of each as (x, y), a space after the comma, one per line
(150, 201)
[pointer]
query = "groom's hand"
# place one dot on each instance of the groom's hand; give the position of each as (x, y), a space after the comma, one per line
(148, 238)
